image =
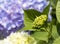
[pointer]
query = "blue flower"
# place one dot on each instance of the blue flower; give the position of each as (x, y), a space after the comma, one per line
(38, 5)
(12, 11)
(49, 15)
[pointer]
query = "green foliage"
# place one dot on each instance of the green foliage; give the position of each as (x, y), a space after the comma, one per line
(58, 11)
(54, 3)
(57, 41)
(41, 35)
(46, 10)
(55, 34)
(27, 21)
(58, 28)
(42, 42)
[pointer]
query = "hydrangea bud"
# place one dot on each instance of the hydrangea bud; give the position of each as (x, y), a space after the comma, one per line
(39, 21)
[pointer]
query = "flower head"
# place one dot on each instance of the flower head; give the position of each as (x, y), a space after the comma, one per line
(39, 21)
(19, 38)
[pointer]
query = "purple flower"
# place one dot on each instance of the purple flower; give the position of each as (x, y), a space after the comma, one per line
(49, 15)
(12, 11)
(38, 5)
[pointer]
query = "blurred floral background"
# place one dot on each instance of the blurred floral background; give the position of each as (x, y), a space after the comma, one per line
(29, 21)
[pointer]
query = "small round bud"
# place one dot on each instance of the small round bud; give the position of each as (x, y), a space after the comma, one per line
(39, 21)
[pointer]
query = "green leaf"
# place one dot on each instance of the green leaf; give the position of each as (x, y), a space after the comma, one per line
(42, 42)
(46, 10)
(54, 3)
(41, 35)
(27, 21)
(58, 11)
(54, 32)
(57, 41)
(32, 14)
(58, 28)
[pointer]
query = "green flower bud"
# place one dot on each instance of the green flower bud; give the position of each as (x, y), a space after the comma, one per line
(39, 21)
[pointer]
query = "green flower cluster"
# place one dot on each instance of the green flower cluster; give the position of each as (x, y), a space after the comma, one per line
(39, 21)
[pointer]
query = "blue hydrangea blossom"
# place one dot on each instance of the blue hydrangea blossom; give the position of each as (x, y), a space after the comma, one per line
(12, 11)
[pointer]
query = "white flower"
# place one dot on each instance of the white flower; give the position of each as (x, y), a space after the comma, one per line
(18, 38)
